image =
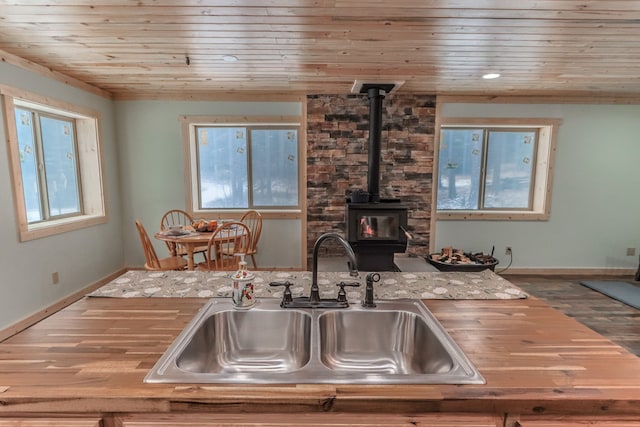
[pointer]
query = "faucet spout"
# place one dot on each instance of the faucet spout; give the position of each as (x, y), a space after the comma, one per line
(314, 297)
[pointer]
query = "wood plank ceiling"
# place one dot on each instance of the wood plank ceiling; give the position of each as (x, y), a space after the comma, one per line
(139, 48)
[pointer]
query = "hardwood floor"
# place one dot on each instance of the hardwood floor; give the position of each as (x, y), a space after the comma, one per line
(615, 320)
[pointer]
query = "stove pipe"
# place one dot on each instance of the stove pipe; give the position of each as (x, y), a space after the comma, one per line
(376, 95)
(375, 92)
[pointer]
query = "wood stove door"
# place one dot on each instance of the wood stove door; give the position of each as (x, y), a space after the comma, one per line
(378, 227)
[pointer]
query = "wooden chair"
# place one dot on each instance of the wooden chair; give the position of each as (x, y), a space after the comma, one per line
(226, 244)
(253, 220)
(179, 217)
(152, 260)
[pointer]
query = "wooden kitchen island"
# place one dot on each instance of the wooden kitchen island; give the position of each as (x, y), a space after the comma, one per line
(84, 366)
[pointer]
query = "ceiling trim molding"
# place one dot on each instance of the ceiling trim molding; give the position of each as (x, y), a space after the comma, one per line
(54, 75)
(211, 96)
(587, 98)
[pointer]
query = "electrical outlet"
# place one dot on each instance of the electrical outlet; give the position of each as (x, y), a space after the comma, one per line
(507, 250)
(631, 251)
(55, 278)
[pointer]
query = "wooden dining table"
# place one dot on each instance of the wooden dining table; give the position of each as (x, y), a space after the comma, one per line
(190, 242)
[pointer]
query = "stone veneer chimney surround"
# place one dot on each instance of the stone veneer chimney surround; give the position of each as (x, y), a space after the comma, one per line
(338, 159)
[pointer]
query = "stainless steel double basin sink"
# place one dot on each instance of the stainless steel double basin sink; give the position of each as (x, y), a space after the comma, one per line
(397, 342)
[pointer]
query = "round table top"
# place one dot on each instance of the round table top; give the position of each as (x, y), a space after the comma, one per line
(190, 237)
(197, 237)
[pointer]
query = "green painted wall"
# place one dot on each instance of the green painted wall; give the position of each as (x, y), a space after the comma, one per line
(595, 205)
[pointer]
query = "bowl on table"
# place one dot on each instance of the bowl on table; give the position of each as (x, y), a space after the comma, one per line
(205, 226)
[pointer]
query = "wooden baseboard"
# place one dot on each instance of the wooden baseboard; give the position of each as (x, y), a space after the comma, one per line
(56, 306)
(568, 272)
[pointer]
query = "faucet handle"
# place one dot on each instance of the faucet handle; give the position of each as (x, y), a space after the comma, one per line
(287, 298)
(342, 295)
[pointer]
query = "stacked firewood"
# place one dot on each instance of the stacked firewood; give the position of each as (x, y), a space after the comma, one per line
(451, 255)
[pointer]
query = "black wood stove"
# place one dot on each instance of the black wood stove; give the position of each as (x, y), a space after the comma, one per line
(376, 228)
(376, 231)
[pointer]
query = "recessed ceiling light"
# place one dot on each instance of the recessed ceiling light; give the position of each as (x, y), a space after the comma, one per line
(229, 58)
(490, 76)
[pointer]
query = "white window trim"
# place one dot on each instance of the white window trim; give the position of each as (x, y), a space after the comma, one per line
(90, 164)
(189, 124)
(544, 168)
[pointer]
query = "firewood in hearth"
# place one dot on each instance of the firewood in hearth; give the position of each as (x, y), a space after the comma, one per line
(452, 256)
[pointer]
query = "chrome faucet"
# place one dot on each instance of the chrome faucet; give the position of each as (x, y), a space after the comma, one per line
(314, 300)
(314, 297)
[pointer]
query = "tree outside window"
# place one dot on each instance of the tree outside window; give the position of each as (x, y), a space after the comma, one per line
(242, 167)
(486, 168)
(495, 168)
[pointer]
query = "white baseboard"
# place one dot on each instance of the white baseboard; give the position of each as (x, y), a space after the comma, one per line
(56, 306)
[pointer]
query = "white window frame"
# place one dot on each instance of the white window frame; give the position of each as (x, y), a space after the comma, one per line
(543, 168)
(189, 125)
(87, 122)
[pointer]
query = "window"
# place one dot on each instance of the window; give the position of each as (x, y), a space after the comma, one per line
(49, 164)
(55, 164)
(495, 169)
(243, 165)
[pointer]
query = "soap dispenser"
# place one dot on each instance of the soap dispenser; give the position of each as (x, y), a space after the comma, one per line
(243, 288)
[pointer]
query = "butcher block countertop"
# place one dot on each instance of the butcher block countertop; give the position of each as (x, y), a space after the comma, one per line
(91, 358)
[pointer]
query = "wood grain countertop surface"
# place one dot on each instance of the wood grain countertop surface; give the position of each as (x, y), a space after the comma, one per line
(93, 355)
